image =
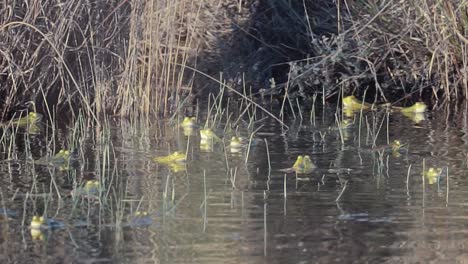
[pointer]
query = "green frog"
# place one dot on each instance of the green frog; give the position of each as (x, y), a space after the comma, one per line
(90, 189)
(29, 120)
(61, 160)
(303, 165)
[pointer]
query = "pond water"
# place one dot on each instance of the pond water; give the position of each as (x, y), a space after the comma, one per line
(362, 203)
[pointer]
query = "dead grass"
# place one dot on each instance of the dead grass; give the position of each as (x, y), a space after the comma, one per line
(129, 58)
(398, 49)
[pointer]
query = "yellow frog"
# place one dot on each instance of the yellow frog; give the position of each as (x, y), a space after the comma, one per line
(418, 107)
(29, 120)
(303, 165)
(208, 135)
(40, 222)
(298, 164)
(62, 156)
(206, 145)
(92, 186)
(37, 222)
(176, 167)
(171, 158)
(396, 145)
(189, 122)
(90, 189)
(353, 104)
(415, 117)
(432, 174)
(236, 142)
(37, 234)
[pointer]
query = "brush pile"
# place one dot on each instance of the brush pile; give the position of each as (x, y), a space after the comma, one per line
(393, 49)
(388, 49)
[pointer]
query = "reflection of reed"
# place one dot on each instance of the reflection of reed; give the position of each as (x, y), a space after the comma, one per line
(184, 206)
(362, 202)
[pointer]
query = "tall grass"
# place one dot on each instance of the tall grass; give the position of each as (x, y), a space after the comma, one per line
(55, 52)
(117, 57)
(422, 43)
(141, 58)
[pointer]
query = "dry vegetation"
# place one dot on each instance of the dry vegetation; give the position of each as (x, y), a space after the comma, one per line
(398, 49)
(138, 57)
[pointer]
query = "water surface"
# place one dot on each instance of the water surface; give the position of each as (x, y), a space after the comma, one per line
(221, 209)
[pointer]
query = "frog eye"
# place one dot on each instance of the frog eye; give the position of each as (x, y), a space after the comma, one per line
(138, 213)
(66, 152)
(145, 213)
(35, 218)
(41, 219)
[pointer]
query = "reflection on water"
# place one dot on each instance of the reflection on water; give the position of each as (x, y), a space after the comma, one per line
(363, 202)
